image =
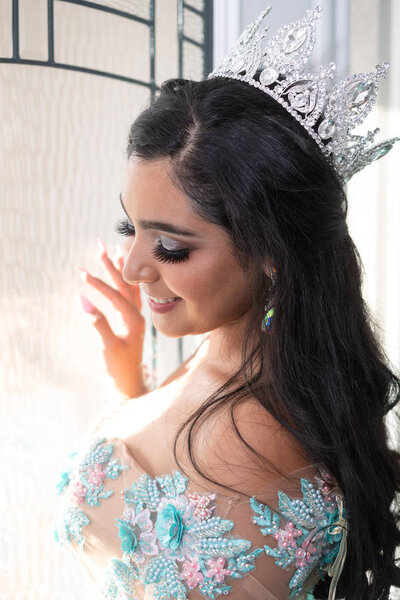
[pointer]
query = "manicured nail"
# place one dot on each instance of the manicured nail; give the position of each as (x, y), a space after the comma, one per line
(101, 245)
(79, 268)
(84, 274)
(86, 305)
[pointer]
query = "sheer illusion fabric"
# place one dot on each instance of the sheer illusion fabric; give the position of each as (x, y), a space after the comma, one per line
(142, 535)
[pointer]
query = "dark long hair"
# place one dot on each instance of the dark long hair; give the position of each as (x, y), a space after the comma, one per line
(248, 166)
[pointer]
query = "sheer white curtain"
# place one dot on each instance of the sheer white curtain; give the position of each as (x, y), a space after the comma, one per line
(62, 162)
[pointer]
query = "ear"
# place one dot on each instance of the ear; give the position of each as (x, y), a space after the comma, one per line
(269, 269)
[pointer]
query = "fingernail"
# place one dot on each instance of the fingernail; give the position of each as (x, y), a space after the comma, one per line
(84, 274)
(101, 245)
(79, 269)
(86, 305)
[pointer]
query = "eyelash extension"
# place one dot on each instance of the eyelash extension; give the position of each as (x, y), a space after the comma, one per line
(123, 227)
(169, 256)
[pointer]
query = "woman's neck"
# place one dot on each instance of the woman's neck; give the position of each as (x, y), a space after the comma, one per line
(221, 349)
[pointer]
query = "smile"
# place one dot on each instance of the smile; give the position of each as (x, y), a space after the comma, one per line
(162, 305)
(163, 300)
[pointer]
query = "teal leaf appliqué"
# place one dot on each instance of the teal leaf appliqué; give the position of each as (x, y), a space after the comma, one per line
(186, 547)
(119, 578)
(171, 540)
(304, 541)
(84, 480)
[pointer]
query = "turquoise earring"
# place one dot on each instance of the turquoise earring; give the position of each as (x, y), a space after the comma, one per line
(269, 308)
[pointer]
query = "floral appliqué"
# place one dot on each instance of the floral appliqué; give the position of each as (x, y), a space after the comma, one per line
(171, 540)
(305, 541)
(185, 545)
(85, 483)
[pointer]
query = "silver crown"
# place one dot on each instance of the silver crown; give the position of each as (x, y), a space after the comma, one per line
(274, 66)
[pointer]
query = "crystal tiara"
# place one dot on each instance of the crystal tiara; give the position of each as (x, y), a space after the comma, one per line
(274, 65)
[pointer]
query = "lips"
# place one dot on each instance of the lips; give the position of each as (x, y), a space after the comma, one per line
(162, 307)
(146, 293)
(163, 300)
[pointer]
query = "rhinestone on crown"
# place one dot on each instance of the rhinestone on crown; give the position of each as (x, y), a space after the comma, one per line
(274, 65)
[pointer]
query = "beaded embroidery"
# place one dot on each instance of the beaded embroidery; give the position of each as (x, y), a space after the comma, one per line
(187, 547)
(85, 483)
(183, 540)
(305, 540)
(172, 541)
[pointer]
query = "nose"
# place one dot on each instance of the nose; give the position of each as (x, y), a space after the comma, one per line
(127, 245)
(138, 267)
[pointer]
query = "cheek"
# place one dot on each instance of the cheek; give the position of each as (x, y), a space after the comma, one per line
(209, 279)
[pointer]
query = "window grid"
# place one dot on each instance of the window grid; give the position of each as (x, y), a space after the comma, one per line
(205, 47)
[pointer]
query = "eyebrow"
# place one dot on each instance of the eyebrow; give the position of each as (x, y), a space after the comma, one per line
(167, 227)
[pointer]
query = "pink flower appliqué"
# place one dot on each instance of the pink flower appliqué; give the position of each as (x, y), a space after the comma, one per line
(216, 569)
(305, 553)
(287, 537)
(77, 492)
(203, 506)
(191, 572)
(95, 475)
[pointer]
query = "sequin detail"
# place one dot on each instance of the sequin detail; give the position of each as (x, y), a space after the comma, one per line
(305, 541)
(84, 480)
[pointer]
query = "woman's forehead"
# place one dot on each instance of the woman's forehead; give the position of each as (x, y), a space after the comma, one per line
(149, 192)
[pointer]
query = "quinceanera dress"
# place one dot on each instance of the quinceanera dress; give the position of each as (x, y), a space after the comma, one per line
(144, 537)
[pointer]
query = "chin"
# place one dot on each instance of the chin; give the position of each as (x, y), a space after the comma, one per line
(171, 334)
(170, 331)
(177, 332)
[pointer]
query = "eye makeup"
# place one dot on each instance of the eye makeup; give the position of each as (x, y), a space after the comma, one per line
(124, 227)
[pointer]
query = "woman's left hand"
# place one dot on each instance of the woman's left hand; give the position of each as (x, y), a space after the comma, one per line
(122, 353)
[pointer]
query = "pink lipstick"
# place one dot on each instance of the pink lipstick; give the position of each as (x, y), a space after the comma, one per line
(162, 307)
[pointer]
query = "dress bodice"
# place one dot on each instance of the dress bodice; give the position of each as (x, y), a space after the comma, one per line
(163, 537)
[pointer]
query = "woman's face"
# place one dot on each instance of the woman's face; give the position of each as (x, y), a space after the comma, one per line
(177, 254)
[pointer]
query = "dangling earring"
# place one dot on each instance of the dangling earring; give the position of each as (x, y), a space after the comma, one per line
(269, 307)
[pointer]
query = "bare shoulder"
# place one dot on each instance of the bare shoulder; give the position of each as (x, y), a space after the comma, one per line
(240, 444)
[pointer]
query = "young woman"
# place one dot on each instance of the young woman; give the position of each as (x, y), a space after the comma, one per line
(260, 469)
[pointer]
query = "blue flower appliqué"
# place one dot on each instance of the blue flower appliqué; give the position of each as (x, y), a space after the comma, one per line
(128, 537)
(171, 539)
(169, 527)
(180, 543)
(85, 483)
